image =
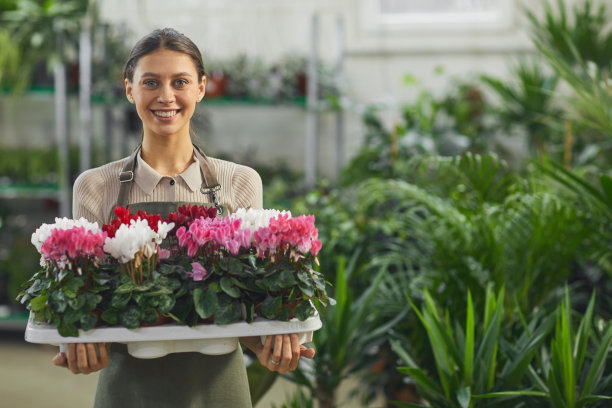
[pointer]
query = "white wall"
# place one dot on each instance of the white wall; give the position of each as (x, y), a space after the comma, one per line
(376, 61)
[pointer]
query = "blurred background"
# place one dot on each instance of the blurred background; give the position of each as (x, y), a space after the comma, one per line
(456, 154)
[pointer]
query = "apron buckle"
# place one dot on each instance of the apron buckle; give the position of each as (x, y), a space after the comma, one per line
(212, 191)
(126, 176)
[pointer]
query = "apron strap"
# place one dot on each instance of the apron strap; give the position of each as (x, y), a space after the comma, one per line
(210, 185)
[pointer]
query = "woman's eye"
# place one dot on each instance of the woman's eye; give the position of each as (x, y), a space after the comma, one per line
(149, 83)
(181, 83)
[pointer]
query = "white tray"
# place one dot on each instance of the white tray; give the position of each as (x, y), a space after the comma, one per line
(157, 341)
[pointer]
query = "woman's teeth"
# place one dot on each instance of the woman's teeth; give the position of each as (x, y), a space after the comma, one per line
(164, 114)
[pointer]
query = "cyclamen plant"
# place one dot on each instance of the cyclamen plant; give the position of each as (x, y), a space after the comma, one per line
(189, 266)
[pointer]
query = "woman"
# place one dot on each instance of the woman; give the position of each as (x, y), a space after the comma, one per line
(165, 79)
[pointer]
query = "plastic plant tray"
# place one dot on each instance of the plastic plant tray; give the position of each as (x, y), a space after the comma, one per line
(158, 341)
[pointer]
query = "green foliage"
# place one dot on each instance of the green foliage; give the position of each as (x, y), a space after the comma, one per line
(66, 299)
(447, 125)
(528, 103)
(585, 25)
(477, 366)
(466, 356)
(350, 329)
(43, 30)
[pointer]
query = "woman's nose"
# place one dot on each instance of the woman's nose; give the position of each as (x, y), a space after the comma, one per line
(166, 94)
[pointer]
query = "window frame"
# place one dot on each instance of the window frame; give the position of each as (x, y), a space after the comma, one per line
(373, 20)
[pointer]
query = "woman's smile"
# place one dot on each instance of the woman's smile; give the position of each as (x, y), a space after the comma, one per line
(165, 89)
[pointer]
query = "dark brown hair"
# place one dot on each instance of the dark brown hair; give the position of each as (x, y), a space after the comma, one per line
(165, 38)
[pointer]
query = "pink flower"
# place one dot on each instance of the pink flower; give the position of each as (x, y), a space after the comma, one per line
(198, 272)
(210, 234)
(67, 245)
(284, 232)
(163, 253)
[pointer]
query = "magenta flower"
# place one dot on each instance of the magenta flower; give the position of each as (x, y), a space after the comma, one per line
(198, 272)
(65, 246)
(210, 234)
(284, 233)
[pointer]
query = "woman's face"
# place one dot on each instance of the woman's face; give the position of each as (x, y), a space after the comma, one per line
(165, 90)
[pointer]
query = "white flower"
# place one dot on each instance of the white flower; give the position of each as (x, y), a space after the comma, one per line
(163, 228)
(44, 231)
(255, 219)
(136, 237)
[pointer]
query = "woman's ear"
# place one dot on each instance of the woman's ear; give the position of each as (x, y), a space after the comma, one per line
(128, 90)
(202, 88)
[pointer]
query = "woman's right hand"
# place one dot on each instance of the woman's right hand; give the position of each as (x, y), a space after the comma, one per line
(84, 358)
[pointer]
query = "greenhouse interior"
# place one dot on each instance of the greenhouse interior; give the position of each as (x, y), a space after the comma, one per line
(456, 156)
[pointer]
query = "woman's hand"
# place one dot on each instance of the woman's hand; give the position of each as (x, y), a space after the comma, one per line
(279, 353)
(84, 358)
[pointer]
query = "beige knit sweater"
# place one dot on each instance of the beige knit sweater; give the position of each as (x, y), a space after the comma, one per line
(95, 190)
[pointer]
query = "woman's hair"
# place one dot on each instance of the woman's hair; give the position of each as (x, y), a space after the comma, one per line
(165, 38)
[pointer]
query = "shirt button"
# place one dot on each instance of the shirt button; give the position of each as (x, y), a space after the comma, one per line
(171, 182)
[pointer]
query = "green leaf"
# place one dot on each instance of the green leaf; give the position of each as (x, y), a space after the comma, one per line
(228, 287)
(165, 303)
(127, 287)
(110, 316)
(229, 311)
(88, 321)
(130, 317)
(206, 302)
(306, 289)
(149, 315)
(606, 185)
(58, 299)
(271, 306)
(468, 359)
(303, 310)
(464, 397)
(78, 302)
(422, 379)
(72, 287)
(143, 287)
(120, 300)
(67, 330)
(38, 303)
(72, 316)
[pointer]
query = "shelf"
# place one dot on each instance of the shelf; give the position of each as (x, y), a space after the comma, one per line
(24, 191)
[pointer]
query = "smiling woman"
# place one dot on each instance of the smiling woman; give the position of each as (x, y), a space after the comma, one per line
(165, 88)
(165, 79)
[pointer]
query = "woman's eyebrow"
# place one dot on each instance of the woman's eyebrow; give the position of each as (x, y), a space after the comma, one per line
(151, 74)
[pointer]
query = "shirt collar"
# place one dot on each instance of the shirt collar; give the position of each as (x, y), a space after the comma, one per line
(147, 178)
(193, 175)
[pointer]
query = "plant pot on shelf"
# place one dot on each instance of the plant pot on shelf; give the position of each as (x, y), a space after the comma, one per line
(216, 86)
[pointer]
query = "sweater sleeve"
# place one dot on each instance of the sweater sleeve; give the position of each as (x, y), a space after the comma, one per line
(248, 188)
(87, 197)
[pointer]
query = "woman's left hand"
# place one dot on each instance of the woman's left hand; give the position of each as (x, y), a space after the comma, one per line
(281, 352)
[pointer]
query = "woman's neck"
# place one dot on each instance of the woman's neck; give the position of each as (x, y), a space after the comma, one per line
(168, 156)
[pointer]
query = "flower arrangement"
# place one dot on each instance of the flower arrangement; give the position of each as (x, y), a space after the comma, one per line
(191, 268)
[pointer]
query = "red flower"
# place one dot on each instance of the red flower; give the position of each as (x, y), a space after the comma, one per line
(125, 217)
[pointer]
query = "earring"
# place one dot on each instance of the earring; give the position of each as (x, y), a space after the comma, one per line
(130, 99)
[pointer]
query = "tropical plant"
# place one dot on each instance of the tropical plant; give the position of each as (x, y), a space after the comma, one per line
(571, 373)
(469, 220)
(529, 103)
(467, 358)
(352, 330)
(45, 31)
(585, 25)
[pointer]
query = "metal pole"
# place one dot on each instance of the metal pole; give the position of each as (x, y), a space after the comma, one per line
(85, 53)
(61, 132)
(311, 106)
(339, 80)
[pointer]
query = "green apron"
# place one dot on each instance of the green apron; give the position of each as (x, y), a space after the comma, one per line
(181, 380)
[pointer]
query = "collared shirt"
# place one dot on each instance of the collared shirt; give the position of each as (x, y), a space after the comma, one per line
(95, 191)
(168, 188)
